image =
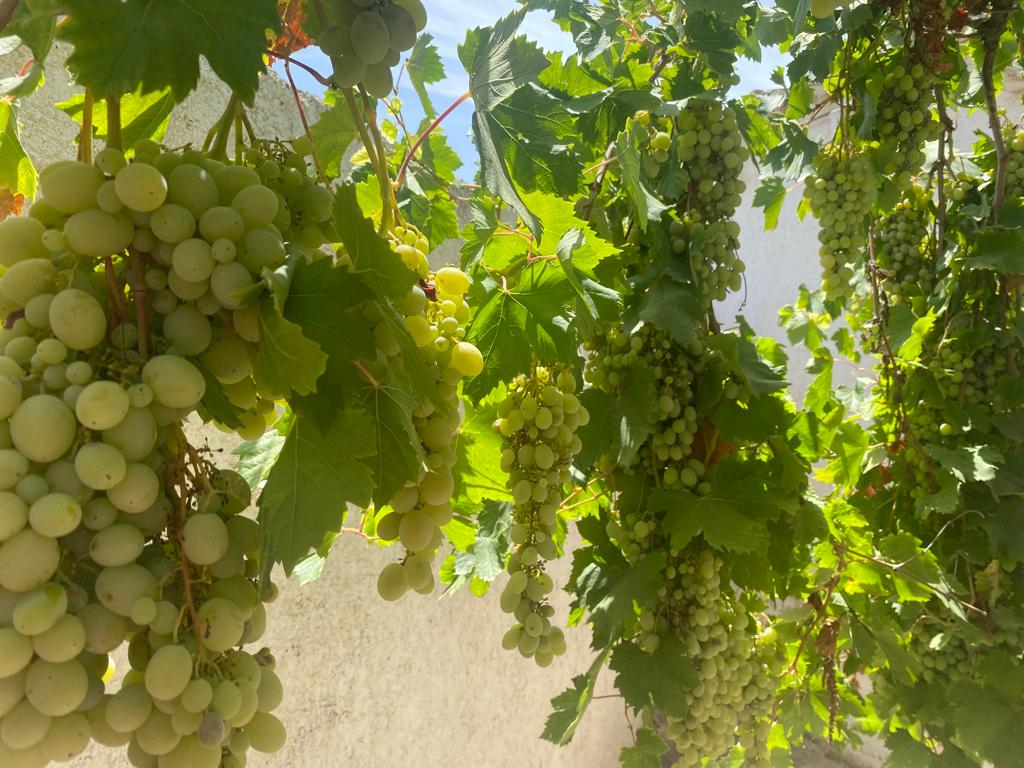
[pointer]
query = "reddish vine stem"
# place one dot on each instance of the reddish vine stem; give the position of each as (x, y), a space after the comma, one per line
(179, 478)
(320, 78)
(426, 135)
(302, 116)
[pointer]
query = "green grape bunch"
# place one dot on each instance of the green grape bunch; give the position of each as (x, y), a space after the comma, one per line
(905, 121)
(905, 248)
(840, 192)
(713, 153)
(129, 292)
(437, 326)
(366, 39)
(670, 455)
(537, 421)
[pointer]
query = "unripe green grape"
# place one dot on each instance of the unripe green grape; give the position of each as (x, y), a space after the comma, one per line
(42, 428)
(62, 642)
(15, 652)
(137, 492)
(378, 80)
(222, 222)
(118, 587)
(222, 624)
(141, 187)
(369, 37)
(157, 736)
(227, 358)
(417, 11)
(205, 539)
(56, 689)
(135, 436)
(100, 466)
(24, 726)
(55, 515)
(416, 530)
(38, 611)
(169, 672)
(391, 583)
(13, 514)
(77, 319)
(27, 279)
(176, 383)
(266, 733)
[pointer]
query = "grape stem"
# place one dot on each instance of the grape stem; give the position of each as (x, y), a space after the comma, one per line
(178, 477)
(222, 130)
(993, 33)
(85, 135)
(426, 135)
(322, 79)
(116, 296)
(320, 175)
(114, 138)
(141, 295)
(387, 190)
(366, 374)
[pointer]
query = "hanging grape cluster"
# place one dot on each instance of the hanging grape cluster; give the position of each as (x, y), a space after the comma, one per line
(366, 38)
(129, 293)
(538, 422)
(732, 701)
(437, 326)
(713, 154)
(905, 248)
(905, 122)
(840, 192)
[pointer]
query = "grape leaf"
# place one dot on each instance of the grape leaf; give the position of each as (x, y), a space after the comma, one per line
(627, 148)
(326, 304)
(425, 68)
(333, 135)
(478, 472)
(732, 517)
(257, 458)
(292, 37)
(372, 258)
(485, 558)
(17, 173)
(316, 476)
(559, 218)
(667, 305)
(215, 401)
(288, 361)
(399, 454)
(619, 424)
(1001, 250)
(571, 704)
(609, 589)
(498, 64)
(646, 753)
(661, 678)
(143, 116)
(513, 325)
(120, 47)
(989, 722)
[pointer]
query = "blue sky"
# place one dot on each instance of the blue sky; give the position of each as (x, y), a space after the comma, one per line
(448, 22)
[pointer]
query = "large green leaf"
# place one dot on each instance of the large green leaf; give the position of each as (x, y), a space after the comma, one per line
(143, 116)
(17, 173)
(288, 361)
(571, 704)
(316, 476)
(513, 325)
(661, 679)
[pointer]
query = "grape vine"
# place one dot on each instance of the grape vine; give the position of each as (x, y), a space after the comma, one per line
(579, 387)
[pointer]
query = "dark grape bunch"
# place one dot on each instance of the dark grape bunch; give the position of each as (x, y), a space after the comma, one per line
(905, 121)
(840, 193)
(366, 38)
(437, 326)
(537, 421)
(905, 248)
